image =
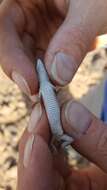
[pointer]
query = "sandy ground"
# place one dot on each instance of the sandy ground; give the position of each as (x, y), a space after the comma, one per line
(87, 87)
(88, 84)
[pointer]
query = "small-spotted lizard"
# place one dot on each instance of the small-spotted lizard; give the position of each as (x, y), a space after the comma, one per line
(47, 92)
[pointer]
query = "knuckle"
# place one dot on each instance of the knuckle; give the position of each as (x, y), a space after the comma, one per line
(80, 45)
(102, 143)
(82, 38)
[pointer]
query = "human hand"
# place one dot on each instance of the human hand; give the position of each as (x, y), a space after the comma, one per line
(26, 28)
(40, 169)
(58, 31)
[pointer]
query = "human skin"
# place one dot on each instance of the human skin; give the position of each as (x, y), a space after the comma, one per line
(45, 169)
(34, 28)
(61, 32)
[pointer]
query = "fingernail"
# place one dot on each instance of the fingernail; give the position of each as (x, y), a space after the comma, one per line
(63, 68)
(21, 82)
(35, 117)
(35, 98)
(63, 95)
(23, 85)
(28, 150)
(78, 118)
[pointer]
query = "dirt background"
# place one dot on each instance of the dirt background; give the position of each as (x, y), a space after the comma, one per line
(87, 87)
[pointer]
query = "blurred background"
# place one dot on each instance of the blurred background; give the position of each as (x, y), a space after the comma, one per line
(87, 87)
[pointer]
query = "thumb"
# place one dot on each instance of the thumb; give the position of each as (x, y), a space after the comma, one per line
(69, 46)
(89, 133)
(35, 173)
(35, 166)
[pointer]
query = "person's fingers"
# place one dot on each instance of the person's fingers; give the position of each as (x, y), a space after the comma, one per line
(96, 177)
(89, 133)
(88, 178)
(72, 41)
(36, 168)
(38, 124)
(13, 56)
